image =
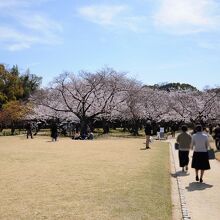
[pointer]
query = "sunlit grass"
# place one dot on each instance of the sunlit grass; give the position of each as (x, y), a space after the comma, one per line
(100, 179)
(118, 132)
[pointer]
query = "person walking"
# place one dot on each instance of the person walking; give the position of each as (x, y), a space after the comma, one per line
(217, 137)
(54, 131)
(200, 159)
(148, 130)
(29, 130)
(185, 141)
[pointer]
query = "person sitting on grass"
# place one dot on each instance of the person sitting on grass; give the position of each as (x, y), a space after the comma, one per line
(90, 136)
(77, 136)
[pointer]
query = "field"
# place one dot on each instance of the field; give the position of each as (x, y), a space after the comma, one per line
(100, 179)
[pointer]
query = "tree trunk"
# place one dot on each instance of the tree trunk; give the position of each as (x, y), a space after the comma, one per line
(135, 130)
(83, 127)
(1, 127)
(135, 127)
(105, 126)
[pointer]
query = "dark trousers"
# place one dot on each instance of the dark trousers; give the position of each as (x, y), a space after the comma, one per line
(217, 143)
(29, 133)
(183, 158)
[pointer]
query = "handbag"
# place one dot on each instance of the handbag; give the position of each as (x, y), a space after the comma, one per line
(176, 145)
(211, 154)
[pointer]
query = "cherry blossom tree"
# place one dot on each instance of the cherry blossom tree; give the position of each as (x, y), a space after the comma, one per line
(194, 106)
(86, 95)
(156, 104)
(108, 95)
(131, 110)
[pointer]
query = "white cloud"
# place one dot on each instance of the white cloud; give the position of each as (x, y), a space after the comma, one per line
(14, 39)
(210, 45)
(18, 46)
(19, 3)
(103, 15)
(27, 27)
(37, 22)
(187, 16)
(12, 3)
(115, 16)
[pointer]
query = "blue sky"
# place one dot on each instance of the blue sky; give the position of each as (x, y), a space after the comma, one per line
(154, 41)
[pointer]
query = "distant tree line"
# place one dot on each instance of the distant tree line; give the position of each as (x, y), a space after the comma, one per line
(15, 91)
(105, 98)
(110, 97)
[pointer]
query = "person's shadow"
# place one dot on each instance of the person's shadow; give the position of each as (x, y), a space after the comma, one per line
(179, 173)
(145, 148)
(198, 186)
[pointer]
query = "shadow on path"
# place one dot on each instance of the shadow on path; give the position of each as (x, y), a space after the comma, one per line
(179, 173)
(198, 186)
(145, 148)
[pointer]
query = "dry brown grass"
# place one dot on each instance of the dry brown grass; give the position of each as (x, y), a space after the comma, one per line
(76, 180)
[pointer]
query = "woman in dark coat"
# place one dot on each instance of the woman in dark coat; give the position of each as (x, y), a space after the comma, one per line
(54, 132)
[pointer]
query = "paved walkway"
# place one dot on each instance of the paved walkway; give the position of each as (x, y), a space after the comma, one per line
(191, 199)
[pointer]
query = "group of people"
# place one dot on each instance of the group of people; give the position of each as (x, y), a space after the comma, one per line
(32, 128)
(53, 129)
(199, 142)
(54, 132)
(78, 136)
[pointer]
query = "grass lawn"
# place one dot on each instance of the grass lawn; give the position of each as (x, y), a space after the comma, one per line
(75, 180)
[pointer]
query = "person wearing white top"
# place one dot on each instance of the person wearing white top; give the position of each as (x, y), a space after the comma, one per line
(200, 159)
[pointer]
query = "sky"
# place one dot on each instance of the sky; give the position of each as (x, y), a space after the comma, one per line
(154, 41)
